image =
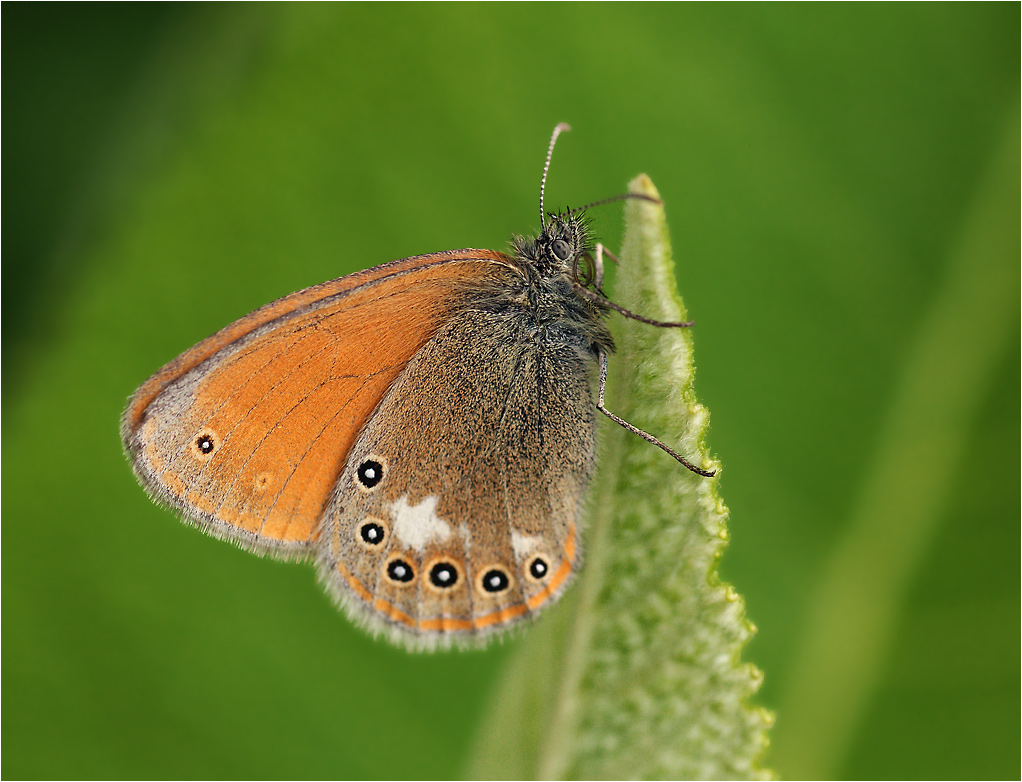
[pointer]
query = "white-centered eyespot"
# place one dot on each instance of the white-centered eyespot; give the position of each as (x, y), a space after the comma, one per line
(370, 472)
(443, 575)
(205, 444)
(399, 570)
(494, 580)
(537, 568)
(372, 533)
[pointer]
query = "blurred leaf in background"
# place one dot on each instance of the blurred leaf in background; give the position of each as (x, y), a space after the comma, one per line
(843, 191)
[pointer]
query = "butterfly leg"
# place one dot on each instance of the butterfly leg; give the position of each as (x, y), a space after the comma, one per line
(634, 429)
(600, 250)
(598, 261)
(628, 313)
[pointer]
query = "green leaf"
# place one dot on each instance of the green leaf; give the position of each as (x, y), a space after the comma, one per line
(637, 674)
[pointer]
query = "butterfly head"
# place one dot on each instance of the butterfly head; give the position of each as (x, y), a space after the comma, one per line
(563, 248)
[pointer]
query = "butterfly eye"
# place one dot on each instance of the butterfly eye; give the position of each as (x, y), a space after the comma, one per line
(538, 569)
(444, 575)
(400, 571)
(494, 580)
(370, 473)
(560, 249)
(372, 533)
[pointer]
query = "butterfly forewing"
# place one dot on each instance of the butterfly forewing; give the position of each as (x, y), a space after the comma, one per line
(247, 432)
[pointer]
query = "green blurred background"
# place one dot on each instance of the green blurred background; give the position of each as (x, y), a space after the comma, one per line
(832, 174)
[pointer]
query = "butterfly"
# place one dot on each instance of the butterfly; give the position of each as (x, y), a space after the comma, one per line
(422, 430)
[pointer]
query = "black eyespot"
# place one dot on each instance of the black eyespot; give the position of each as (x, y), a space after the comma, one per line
(372, 533)
(443, 575)
(560, 249)
(495, 580)
(370, 473)
(205, 445)
(538, 568)
(401, 571)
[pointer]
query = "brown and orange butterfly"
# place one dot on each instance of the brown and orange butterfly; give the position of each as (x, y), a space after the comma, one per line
(423, 430)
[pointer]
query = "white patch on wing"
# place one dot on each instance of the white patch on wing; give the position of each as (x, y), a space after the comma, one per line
(523, 544)
(416, 526)
(466, 535)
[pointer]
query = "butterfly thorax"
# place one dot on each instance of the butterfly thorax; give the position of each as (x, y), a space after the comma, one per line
(553, 264)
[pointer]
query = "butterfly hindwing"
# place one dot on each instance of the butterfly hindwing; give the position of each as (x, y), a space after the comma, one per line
(468, 482)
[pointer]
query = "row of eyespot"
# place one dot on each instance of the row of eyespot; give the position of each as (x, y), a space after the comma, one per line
(444, 574)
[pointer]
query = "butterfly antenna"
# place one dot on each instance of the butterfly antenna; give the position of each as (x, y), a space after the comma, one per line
(561, 127)
(612, 199)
